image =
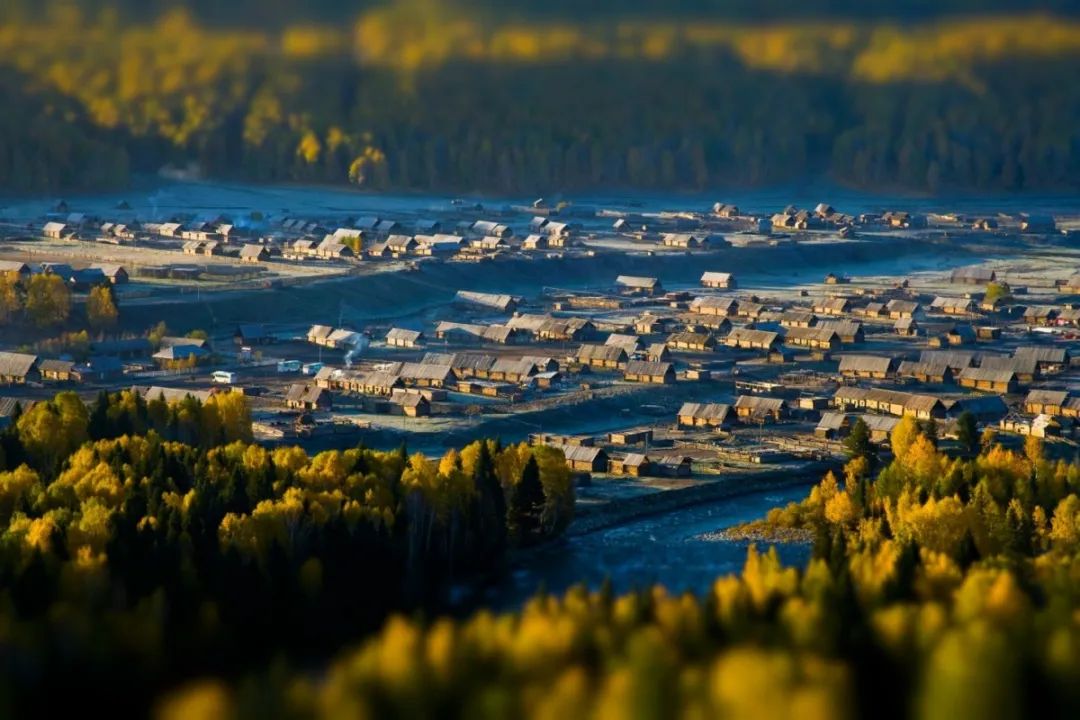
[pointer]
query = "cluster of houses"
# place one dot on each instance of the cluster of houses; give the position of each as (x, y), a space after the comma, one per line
(76, 278)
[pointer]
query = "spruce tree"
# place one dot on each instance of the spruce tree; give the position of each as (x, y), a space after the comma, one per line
(527, 504)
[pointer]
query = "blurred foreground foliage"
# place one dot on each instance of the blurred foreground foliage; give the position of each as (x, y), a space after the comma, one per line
(143, 541)
(939, 587)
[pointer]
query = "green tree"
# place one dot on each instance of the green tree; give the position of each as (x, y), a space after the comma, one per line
(526, 511)
(48, 300)
(967, 432)
(858, 444)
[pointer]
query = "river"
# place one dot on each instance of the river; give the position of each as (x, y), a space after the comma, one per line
(666, 549)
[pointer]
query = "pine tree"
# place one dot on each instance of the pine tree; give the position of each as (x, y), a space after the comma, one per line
(99, 425)
(527, 505)
(967, 432)
(858, 444)
(489, 511)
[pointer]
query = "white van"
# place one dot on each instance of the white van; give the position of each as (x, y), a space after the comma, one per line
(288, 366)
(224, 377)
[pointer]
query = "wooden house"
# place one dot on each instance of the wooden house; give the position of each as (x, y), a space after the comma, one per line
(832, 306)
(833, 426)
(692, 341)
(901, 309)
(633, 464)
(748, 339)
(254, 253)
(415, 405)
(684, 240)
(817, 337)
(585, 459)
(404, 338)
(641, 436)
(1048, 402)
(953, 305)
(57, 370)
(1048, 359)
(718, 280)
(973, 275)
(926, 372)
(673, 466)
(850, 332)
(757, 408)
(712, 305)
(18, 368)
(713, 415)
(988, 380)
(608, 357)
(906, 327)
(866, 366)
(307, 396)
(643, 371)
(794, 317)
(636, 285)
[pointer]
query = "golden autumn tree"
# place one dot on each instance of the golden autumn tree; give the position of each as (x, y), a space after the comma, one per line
(101, 309)
(48, 300)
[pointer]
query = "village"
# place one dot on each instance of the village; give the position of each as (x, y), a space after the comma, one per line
(642, 381)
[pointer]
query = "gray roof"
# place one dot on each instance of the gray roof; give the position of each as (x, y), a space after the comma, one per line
(865, 363)
(16, 364)
(404, 335)
(155, 392)
(705, 411)
(1042, 354)
(1047, 397)
(611, 353)
(304, 393)
(981, 374)
(644, 367)
(635, 281)
(51, 365)
(759, 403)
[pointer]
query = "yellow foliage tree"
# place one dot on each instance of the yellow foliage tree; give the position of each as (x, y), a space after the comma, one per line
(101, 310)
(48, 300)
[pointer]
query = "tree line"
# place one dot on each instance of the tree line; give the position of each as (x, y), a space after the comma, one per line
(142, 542)
(425, 96)
(44, 300)
(939, 586)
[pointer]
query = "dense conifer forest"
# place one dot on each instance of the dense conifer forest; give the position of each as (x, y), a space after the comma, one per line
(442, 95)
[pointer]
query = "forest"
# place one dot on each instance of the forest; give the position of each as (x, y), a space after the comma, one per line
(143, 542)
(941, 585)
(477, 96)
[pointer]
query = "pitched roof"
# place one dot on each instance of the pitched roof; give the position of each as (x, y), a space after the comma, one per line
(51, 365)
(865, 363)
(304, 393)
(403, 335)
(1042, 354)
(636, 281)
(1046, 397)
(581, 453)
(982, 374)
(759, 403)
(16, 364)
(756, 337)
(647, 367)
(705, 411)
(615, 353)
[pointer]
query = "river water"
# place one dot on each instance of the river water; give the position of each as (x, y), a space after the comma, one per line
(666, 549)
